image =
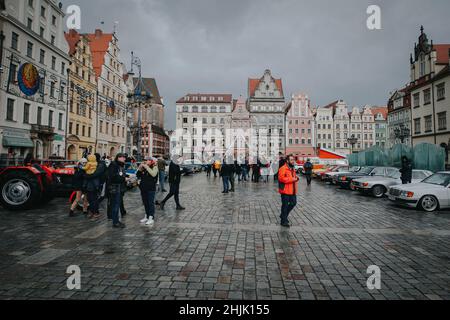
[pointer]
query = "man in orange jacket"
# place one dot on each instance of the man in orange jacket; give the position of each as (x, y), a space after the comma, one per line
(288, 185)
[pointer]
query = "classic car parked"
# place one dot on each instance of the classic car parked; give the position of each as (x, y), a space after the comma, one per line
(430, 195)
(377, 186)
(344, 180)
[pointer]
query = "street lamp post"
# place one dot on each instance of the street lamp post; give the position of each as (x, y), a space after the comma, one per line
(401, 133)
(352, 141)
(138, 97)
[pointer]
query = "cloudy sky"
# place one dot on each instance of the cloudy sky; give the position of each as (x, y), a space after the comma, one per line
(322, 47)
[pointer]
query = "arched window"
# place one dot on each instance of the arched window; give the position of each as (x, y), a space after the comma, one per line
(185, 109)
(195, 109)
(204, 109)
(213, 109)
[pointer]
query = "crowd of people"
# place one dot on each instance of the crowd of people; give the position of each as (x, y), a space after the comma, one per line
(98, 178)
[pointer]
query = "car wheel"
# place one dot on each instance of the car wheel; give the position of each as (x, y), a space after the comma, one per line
(378, 191)
(429, 203)
(19, 190)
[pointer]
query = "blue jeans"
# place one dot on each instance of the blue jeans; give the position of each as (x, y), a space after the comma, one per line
(288, 203)
(148, 199)
(116, 199)
(226, 183)
(162, 177)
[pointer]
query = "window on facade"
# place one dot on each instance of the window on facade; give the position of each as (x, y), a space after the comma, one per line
(427, 96)
(10, 110)
(31, 3)
(39, 116)
(13, 73)
(422, 65)
(222, 109)
(30, 23)
(54, 20)
(417, 126)
(63, 68)
(329, 127)
(26, 113)
(29, 49)
(61, 93)
(442, 121)
(89, 132)
(77, 130)
(43, 12)
(213, 109)
(185, 109)
(440, 91)
(42, 57)
(60, 121)
(416, 99)
(54, 63)
(41, 32)
(14, 41)
(101, 127)
(52, 89)
(185, 120)
(52, 40)
(50, 118)
(70, 127)
(428, 124)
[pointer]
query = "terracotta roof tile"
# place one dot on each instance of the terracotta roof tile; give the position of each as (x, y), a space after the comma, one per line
(382, 110)
(99, 43)
(253, 85)
(72, 38)
(442, 53)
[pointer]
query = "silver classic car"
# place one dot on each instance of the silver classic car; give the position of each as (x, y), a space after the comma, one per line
(430, 195)
(377, 186)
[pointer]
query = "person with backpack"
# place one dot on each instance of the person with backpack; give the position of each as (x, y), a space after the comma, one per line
(148, 174)
(308, 166)
(116, 182)
(288, 186)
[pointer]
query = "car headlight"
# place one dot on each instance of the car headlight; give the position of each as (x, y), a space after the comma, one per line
(365, 184)
(343, 178)
(407, 194)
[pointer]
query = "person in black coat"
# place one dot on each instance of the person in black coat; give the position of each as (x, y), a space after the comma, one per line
(406, 171)
(148, 175)
(308, 166)
(116, 184)
(174, 182)
(77, 185)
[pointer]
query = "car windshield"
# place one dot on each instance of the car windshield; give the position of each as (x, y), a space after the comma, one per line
(366, 170)
(355, 169)
(440, 179)
(394, 174)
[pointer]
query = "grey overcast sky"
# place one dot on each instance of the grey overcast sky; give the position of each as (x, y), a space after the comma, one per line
(322, 47)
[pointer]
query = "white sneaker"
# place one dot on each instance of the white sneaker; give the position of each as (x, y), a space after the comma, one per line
(144, 220)
(149, 222)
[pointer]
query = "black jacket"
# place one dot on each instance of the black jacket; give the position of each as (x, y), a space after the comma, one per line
(148, 183)
(174, 173)
(78, 179)
(116, 177)
(406, 171)
(226, 170)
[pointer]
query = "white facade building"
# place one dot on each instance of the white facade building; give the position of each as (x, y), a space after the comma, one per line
(33, 81)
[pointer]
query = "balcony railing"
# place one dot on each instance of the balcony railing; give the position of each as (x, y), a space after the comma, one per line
(37, 128)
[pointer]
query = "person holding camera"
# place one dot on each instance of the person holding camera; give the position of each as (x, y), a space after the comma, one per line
(148, 175)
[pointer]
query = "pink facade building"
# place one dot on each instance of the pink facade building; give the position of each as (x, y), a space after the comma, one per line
(300, 129)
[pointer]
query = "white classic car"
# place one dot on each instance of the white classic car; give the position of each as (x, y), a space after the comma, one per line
(431, 194)
(377, 186)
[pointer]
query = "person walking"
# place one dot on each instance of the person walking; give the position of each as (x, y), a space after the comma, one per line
(238, 168)
(245, 170)
(116, 182)
(174, 182)
(308, 166)
(287, 182)
(91, 184)
(406, 170)
(216, 168)
(225, 173)
(162, 173)
(77, 185)
(208, 170)
(148, 173)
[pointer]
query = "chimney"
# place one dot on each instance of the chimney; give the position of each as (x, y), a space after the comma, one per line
(98, 33)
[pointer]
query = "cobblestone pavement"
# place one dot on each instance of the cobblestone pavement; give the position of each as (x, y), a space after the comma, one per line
(230, 247)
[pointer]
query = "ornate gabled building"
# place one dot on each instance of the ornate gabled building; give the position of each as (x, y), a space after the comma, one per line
(429, 87)
(111, 133)
(300, 137)
(267, 112)
(241, 129)
(399, 118)
(82, 98)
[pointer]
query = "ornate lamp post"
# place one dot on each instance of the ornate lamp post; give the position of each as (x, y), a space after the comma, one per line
(137, 97)
(401, 133)
(352, 141)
